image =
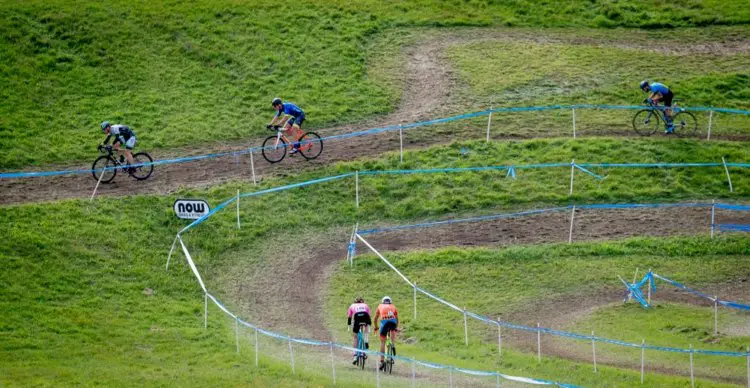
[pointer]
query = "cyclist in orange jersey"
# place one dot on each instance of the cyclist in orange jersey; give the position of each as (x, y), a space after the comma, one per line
(388, 315)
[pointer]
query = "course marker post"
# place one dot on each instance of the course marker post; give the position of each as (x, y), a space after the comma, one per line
(489, 124)
(497, 380)
(98, 182)
(333, 365)
(413, 375)
(401, 141)
(716, 315)
(252, 167)
(256, 347)
(643, 355)
(450, 376)
(710, 121)
(291, 353)
(356, 186)
(466, 329)
(415, 301)
(238, 208)
(574, 123)
(692, 376)
(593, 349)
(729, 179)
(747, 349)
(572, 217)
(713, 217)
(205, 311)
(171, 250)
(572, 173)
(538, 343)
(499, 338)
(237, 333)
(377, 374)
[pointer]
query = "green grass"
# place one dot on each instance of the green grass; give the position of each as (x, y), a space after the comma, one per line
(184, 75)
(507, 282)
(75, 271)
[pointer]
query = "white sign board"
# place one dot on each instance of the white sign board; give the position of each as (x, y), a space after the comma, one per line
(191, 209)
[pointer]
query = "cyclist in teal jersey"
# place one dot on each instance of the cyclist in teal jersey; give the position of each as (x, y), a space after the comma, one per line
(660, 93)
(292, 118)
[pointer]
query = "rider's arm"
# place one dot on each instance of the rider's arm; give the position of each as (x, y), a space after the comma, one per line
(106, 141)
(349, 316)
(377, 316)
(656, 96)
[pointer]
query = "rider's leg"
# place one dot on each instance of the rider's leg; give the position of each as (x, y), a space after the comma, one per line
(393, 340)
(382, 348)
(128, 150)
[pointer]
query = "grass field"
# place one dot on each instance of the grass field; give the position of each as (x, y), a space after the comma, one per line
(75, 267)
(513, 282)
(204, 73)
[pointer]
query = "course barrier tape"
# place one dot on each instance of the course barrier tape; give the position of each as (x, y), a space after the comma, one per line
(31, 174)
(697, 293)
(561, 333)
(311, 342)
(552, 210)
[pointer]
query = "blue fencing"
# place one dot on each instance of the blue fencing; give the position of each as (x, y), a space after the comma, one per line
(373, 131)
(332, 345)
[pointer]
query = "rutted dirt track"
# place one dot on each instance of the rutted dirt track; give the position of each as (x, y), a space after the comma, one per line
(299, 282)
(428, 87)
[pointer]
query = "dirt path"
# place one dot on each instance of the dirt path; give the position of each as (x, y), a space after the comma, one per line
(429, 86)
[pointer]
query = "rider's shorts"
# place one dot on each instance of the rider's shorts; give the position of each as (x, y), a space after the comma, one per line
(130, 143)
(668, 98)
(360, 319)
(296, 120)
(387, 325)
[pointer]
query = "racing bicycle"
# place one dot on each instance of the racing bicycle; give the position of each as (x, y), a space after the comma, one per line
(362, 345)
(106, 166)
(647, 121)
(275, 147)
(390, 352)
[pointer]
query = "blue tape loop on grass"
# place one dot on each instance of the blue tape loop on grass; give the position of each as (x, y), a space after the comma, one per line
(311, 342)
(373, 131)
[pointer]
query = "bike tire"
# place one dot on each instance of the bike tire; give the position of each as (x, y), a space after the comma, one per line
(646, 122)
(361, 355)
(685, 124)
(143, 172)
(389, 359)
(103, 162)
(272, 151)
(311, 145)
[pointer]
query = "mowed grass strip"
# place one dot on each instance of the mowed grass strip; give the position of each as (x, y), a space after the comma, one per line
(204, 73)
(517, 281)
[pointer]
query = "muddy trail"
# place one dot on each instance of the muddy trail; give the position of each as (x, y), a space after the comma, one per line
(299, 283)
(430, 83)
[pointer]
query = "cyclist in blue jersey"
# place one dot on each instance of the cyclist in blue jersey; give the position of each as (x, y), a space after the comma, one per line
(292, 118)
(122, 134)
(660, 93)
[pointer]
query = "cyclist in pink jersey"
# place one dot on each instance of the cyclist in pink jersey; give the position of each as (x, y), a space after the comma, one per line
(360, 312)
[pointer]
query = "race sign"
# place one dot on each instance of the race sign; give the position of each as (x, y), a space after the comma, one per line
(191, 209)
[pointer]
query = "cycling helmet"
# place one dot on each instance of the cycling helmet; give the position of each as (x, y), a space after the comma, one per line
(104, 125)
(359, 299)
(387, 300)
(643, 84)
(276, 101)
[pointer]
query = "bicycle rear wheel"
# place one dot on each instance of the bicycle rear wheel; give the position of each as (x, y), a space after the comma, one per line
(361, 355)
(274, 151)
(685, 124)
(646, 122)
(142, 172)
(389, 359)
(310, 145)
(104, 165)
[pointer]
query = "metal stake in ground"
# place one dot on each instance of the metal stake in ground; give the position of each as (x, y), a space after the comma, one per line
(499, 338)
(237, 333)
(572, 217)
(710, 121)
(574, 123)
(291, 353)
(401, 141)
(643, 355)
(538, 343)
(716, 315)
(256, 347)
(356, 186)
(333, 365)
(415, 301)
(238, 208)
(489, 124)
(413, 375)
(713, 216)
(593, 348)
(692, 377)
(729, 179)
(466, 329)
(252, 167)
(205, 311)
(171, 250)
(572, 173)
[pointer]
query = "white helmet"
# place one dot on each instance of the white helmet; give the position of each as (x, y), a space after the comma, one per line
(386, 300)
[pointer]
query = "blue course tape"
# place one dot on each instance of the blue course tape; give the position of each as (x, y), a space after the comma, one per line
(373, 131)
(726, 303)
(312, 342)
(734, 227)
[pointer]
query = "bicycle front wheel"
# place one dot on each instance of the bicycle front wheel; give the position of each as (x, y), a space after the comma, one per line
(143, 172)
(274, 149)
(685, 124)
(310, 145)
(646, 122)
(104, 168)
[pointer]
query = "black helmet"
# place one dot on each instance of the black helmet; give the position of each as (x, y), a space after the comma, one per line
(276, 101)
(643, 84)
(359, 299)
